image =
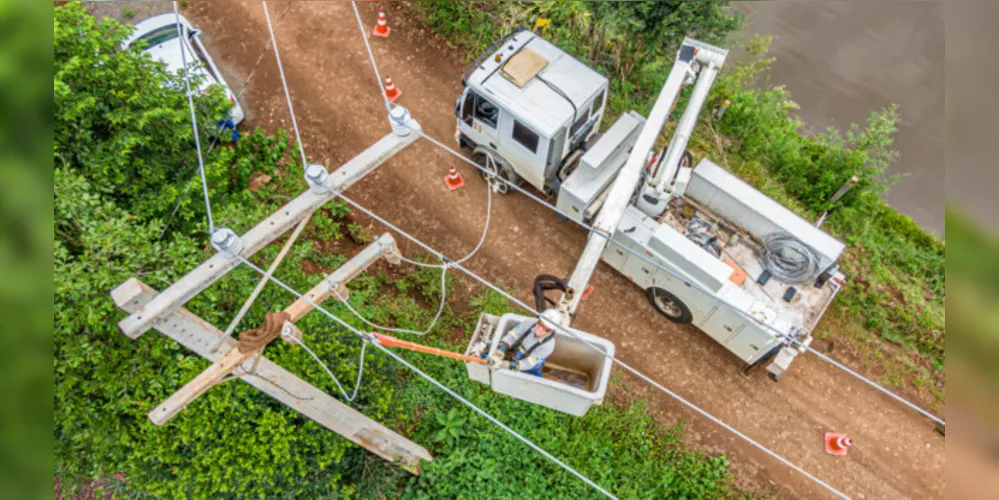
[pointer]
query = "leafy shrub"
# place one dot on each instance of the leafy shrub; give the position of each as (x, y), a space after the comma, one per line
(119, 118)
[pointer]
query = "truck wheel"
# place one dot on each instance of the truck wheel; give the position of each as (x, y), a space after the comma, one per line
(670, 306)
(762, 361)
(498, 166)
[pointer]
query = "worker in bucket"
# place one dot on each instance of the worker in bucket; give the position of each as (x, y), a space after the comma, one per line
(531, 343)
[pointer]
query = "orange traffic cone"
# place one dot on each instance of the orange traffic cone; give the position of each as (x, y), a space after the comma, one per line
(381, 29)
(586, 293)
(454, 180)
(391, 92)
(837, 444)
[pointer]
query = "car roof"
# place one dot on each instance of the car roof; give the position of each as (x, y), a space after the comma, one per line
(168, 52)
(535, 102)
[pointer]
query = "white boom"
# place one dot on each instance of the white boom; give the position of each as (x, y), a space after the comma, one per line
(626, 183)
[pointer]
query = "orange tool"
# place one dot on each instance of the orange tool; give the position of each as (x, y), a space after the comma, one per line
(389, 341)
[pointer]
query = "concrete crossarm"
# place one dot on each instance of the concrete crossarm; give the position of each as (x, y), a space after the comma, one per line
(264, 233)
(233, 358)
(199, 336)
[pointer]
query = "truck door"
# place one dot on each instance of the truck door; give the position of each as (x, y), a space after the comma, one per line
(479, 119)
(525, 149)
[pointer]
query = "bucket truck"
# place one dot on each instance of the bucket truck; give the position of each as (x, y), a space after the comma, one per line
(707, 248)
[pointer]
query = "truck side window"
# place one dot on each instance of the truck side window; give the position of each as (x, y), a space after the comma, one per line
(525, 137)
(578, 125)
(597, 104)
(467, 106)
(486, 111)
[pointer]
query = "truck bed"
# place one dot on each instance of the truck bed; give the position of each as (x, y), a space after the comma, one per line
(808, 304)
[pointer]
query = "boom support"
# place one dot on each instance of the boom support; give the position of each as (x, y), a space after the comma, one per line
(628, 178)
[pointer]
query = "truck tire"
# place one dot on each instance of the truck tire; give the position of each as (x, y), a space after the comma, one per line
(504, 170)
(669, 306)
(762, 361)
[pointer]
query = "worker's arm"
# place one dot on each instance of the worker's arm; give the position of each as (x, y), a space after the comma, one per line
(536, 358)
(511, 337)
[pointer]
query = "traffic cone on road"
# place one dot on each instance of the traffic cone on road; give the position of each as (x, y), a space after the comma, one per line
(454, 180)
(391, 92)
(837, 444)
(381, 29)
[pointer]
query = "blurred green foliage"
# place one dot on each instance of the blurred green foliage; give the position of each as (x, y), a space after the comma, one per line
(235, 441)
(25, 249)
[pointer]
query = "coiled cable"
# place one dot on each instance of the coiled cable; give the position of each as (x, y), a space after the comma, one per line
(789, 259)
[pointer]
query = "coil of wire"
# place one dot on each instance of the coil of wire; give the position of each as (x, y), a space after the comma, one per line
(788, 258)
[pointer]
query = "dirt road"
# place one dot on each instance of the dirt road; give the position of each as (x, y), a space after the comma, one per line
(340, 113)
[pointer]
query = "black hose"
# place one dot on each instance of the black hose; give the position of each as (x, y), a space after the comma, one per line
(543, 283)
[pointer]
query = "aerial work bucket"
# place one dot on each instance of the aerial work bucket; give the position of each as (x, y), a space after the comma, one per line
(573, 378)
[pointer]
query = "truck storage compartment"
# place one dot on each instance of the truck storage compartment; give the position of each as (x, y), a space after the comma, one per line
(732, 199)
(574, 377)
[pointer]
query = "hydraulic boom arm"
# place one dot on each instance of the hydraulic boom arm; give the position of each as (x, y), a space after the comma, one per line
(624, 186)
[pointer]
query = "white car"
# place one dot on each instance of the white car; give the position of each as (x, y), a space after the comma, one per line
(163, 44)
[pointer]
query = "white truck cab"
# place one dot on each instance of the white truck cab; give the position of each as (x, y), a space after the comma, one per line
(529, 105)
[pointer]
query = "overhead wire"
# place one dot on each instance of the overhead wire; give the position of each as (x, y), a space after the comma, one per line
(360, 364)
(624, 365)
(371, 57)
(538, 314)
(194, 120)
(215, 139)
(284, 84)
(367, 337)
(485, 282)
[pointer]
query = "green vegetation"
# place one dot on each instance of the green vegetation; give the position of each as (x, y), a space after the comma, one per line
(123, 154)
(891, 314)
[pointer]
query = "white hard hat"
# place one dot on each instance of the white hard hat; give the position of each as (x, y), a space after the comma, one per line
(551, 318)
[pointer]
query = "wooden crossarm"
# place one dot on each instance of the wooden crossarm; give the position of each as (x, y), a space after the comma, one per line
(262, 234)
(298, 309)
(199, 336)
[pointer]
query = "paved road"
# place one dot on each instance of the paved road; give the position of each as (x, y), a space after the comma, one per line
(841, 60)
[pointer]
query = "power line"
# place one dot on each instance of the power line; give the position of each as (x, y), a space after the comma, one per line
(239, 95)
(371, 57)
(194, 118)
(647, 259)
(367, 337)
(537, 313)
(364, 336)
(443, 266)
(626, 366)
(284, 83)
(360, 365)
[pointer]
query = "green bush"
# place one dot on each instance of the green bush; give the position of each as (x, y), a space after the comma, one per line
(119, 118)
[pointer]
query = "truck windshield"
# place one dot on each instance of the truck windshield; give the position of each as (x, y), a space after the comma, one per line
(159, 35)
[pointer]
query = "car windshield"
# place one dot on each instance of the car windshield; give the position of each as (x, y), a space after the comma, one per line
(160, 35)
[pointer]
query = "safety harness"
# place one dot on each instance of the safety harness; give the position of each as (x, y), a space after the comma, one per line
(520, 340)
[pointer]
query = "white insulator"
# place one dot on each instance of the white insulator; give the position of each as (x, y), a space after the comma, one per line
(227, 241)
(316, 176)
